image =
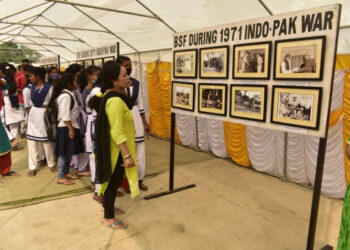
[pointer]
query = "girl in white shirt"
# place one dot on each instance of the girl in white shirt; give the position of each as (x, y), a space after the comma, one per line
(69, 141)
(40, 95)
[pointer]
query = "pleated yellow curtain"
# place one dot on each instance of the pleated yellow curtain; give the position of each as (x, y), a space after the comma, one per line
(236, 143)
(346, 122)
(159, 95)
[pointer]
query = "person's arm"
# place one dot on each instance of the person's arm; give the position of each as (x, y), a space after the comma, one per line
(2, 81)
(71, 132)
(64, 109)
(347, 148)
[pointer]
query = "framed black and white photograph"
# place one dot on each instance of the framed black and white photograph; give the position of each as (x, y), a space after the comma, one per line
(214, 62)
(251, 61)
(296, 106)
(183, 95)
(212, 98)
(248, 102)
(300, 59)
(185, 63)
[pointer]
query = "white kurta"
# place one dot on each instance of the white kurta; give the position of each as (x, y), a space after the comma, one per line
(11, 115)
(38, 143)
(36, 127)
(136, 111)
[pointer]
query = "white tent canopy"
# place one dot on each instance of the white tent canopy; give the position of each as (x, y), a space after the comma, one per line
(63, 27)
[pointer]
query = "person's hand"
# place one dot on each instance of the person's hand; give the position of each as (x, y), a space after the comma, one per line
(71, 133)
(129, 162)
(147, 127)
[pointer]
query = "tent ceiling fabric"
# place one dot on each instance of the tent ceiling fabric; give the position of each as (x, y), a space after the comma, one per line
(152, 30)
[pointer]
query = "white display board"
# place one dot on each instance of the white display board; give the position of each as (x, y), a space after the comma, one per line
(107, 50)
(291, 56)
(51, 60)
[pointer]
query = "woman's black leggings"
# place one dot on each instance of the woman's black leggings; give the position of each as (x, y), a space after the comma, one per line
(111, 190)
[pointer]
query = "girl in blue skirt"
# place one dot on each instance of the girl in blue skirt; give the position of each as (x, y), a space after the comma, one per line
(69, 141)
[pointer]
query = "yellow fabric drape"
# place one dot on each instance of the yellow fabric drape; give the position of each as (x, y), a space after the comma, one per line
(159, 98)
(346, 122)
(236, 143)
(342, 62)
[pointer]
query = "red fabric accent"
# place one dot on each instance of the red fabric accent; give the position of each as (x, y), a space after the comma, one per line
(21, 82)
(5, 164)
(125, 183)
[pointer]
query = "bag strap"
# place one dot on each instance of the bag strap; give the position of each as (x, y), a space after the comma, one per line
(72, 102)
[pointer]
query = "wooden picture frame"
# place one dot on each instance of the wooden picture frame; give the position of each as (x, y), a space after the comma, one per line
(296, 106)
(252, 61)
(214, 62)
(185, 63)
(182, 95)
(300, 59)
(248, 102)
(212, 98)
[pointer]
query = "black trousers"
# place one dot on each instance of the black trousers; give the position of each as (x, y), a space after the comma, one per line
(111, 190)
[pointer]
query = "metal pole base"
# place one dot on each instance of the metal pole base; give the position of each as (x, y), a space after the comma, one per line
(151, 196)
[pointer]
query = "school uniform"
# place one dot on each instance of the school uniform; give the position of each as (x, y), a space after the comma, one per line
(81, 160)
(66, 147)
(36, 132)
(11, 112)
(90, 129)
(27, 104)
(135, 93)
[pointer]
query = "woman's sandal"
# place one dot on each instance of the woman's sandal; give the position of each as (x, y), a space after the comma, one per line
(116, 225)
(12, 174)
(65, 182)
(72, 177)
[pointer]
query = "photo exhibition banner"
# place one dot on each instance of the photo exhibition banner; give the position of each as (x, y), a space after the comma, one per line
(273, 72)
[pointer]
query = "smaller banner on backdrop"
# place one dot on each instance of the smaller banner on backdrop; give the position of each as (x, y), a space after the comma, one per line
(274, 72)
(49, 60)
(109, 50)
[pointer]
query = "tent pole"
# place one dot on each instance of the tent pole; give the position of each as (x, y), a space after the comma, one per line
(107, 30)
(70, 33)
(171, 172)
(64, 39)
(7, 26)
(156, 16)
(265, 7)
(21, 11)
(100, 8)
(34, 43)
(73, 52)
(51, 26)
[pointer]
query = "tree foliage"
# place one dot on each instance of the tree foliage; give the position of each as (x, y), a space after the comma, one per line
(13, 52)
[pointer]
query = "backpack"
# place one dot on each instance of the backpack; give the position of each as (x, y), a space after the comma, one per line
(51, 118)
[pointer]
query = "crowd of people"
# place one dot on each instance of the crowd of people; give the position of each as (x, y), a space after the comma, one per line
(99, 130)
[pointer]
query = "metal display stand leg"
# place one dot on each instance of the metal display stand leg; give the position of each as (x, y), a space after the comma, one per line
(171, 174)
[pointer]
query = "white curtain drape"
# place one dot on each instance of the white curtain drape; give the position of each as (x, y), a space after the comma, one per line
(186, 128)
(211, 135)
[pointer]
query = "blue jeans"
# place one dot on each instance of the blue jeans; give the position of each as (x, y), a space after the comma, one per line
(63, 166)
